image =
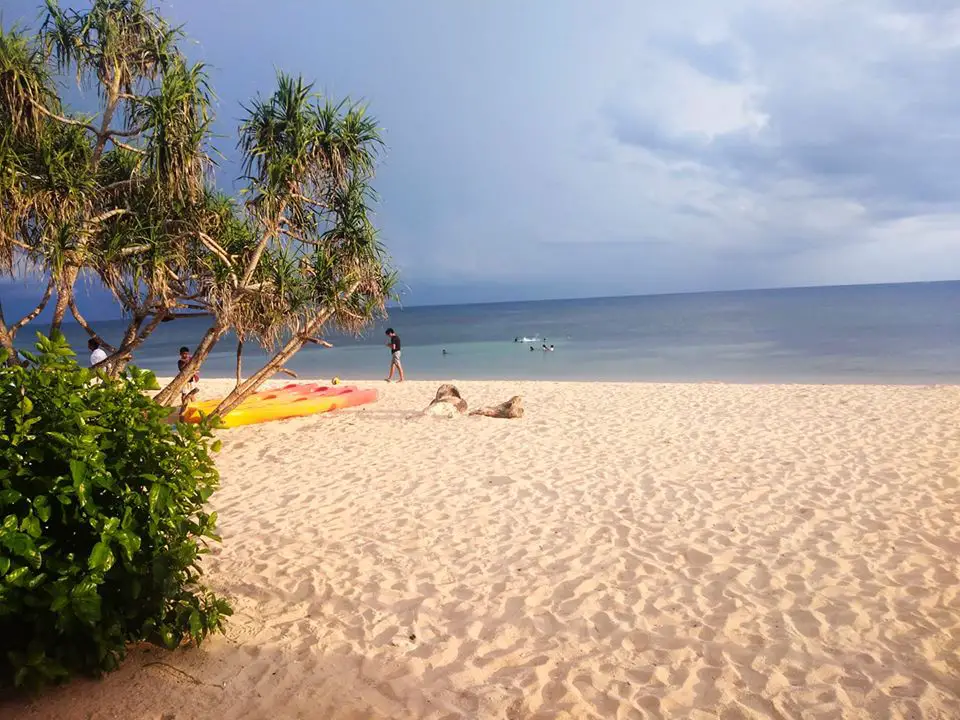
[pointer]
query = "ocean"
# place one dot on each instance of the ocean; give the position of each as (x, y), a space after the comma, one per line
(901, 334)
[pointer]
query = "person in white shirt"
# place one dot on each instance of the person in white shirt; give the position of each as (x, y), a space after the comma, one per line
(97, 353)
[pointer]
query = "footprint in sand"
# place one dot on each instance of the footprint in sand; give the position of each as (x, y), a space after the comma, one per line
(805, 623)
(697, 558)
(245, 624)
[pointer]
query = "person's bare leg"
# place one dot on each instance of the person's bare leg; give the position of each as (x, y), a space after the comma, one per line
(400, 370)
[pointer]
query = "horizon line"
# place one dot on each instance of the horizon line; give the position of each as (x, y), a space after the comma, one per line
(69, 320)
(784, 288)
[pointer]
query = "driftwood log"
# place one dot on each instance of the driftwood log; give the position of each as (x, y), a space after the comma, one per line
(512, 408)
(447, 402)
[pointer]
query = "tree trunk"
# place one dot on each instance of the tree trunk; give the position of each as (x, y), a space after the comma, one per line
(512, 408)
(254, 260)
(60, 309)
(32, 315)
(239, 362)
(275, 365)
(6, 341)
(82, 322)
(113, 99)
(448, 401)
(124, 354)
(133, 329)
(9, 334)
(64, 295)
(209, 341)
(70, 272)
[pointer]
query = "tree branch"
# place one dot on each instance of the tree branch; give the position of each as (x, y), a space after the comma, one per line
(112, 358)
(86, 326)
(6, 341)
(30, 316)
(124, 145)
(107, 215)
(262, 245)
(310, 201)
(107, 134)
(121, 183)
(214, 247)
(62, 119)
(290, 232)
(133, 250)
(154, 323)
(125, 133)
(180, 316)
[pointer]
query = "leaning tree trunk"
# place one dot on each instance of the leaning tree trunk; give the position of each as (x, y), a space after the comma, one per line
(204, 348)
(59, 311)
(239, 362)
(245, 389)
(82, 322)
(71, 271)
(64, 296)
(119, 360)
(9, 333)
(6, 341)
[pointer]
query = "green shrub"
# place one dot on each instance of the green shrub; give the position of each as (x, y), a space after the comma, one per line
(101, 519)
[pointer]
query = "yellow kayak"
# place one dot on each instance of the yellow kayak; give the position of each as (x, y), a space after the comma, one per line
(296, 401)
(208, 406)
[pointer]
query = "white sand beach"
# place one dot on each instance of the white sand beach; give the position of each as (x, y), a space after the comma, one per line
(623, 551)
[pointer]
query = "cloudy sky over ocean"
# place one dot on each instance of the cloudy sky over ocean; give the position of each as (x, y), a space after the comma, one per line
(556, 148)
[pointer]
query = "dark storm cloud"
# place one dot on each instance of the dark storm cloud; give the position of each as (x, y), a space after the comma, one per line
(556, 147)
(891, 142)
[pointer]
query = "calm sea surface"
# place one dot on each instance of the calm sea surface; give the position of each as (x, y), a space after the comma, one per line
(871, 334)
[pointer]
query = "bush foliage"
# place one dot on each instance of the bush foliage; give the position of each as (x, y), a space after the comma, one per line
(102, 519)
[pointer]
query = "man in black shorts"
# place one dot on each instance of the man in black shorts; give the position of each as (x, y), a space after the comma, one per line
(394, 344)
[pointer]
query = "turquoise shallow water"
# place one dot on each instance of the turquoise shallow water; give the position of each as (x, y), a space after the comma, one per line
(873, 334)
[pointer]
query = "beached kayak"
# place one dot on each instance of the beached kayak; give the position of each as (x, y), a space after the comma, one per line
(288, 402)
(208, 406)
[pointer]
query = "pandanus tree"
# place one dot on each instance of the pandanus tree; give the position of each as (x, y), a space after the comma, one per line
(44, 182)
(310, 256)
(124, 195)
(115, 194)
(147, 256)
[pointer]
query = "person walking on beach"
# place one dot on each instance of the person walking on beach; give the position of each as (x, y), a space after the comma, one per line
(394, 344)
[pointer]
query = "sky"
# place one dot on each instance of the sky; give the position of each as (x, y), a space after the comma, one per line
(561, 148)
